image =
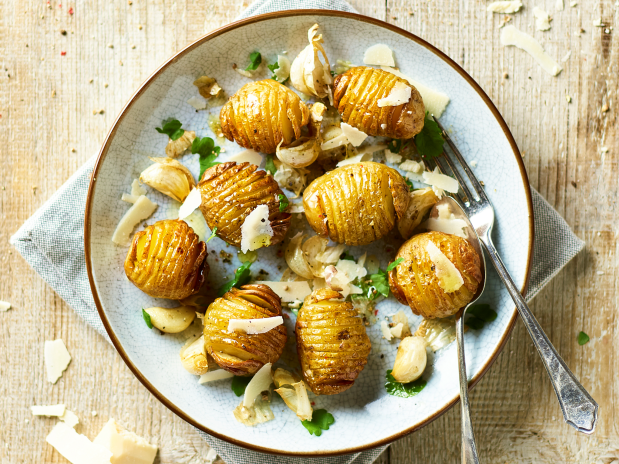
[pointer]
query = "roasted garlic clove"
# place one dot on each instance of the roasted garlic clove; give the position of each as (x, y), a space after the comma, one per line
(169, 177)
(331, 342)
(194, 358)
(171, 320)
(167, 260)
(207, 86)
(307, 73)
(357, 203)
(357, 93)
(177, 147)
(231, 191)
(262, 115)
(238, 352)
(420, 203)
(419, 280)
(305, 150)
(410, 360)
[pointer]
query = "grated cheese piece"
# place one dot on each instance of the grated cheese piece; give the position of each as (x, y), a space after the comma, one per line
(512, 36)
(247, 156)
(449, 278)
(142, 209)
(254, 326)
(355, 159)
(400, 94)
(354, 135)
(256, 231)
(504, 7)
(260, 382)
(198, 103)
(372, 148)
(212, 376)
(289, 291)
(441, 181)
(77, 448)
(56, 410)
(567, 56)
(137, 189)
(447, 222)
(384, 328)
(396, 331)
(57, 359)
(559, 5)
(379, 55)
(542, 19)
(191, 203)
(126, 447)
(434, 101)
(334, 142)
(392, 158)
(412, 166)
(5, 306)
(70, 418)
(129, 198)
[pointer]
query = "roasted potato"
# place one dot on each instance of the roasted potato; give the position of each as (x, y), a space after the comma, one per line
(414, 282)
(238, 352)
(331, 342)
(263, 114)
(167, 260)
(357, 203)
(356, 96)
(230, 192)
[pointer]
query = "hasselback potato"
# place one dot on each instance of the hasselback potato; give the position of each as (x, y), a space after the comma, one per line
(414, 282)
(238, 352)
(356, 96)
(230, 192)
(357, 203)
(331, 342)
(167, 260)
(262, 114)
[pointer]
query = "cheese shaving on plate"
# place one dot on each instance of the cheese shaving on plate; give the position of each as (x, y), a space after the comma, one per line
(354, 135)
(434, 101)
(212, 376)
(379, 55)
(355, 159)
(247, 156)
(441, 181)
(512, 36)
(141, 210)
(289, 291)
(447, 222)
(256, 231)
(254, 326)
(191, 203)
(400, 94)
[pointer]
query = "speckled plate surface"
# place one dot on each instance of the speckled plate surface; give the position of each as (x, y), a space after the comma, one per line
(366, 416)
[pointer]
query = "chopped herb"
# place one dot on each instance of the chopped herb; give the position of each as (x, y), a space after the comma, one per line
(583, 338)
(395, 146)
(348, 256)
(269, 165)
(283, 202)
(146, 317)
(172, 128)
(239, 384)
(411, 187)
(208, 152)
(403, 390)
(272, 68)
(321, 420)
(332, 73)
(430, 140)
(478, 315)
(212, 235)
(255, 59)
(241, 277)
(393, 265)
(374, 285)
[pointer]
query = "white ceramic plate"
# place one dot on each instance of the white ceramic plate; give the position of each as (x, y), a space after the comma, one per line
(366, 416)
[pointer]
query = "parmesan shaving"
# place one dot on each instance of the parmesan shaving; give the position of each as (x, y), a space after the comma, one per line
(434, 101)
(129, 198)
(57, 359)
(56, 410)
(559, 5)
(70, 418)
(260, 382)
(334, 142)
(77, 448)
(412, 166)
(247, 156)
(212, 376)
(256, 231)
(441, 181)
(289, 291)
(254, 326)
(542, 19)
(126, 447)
(283, 71)
(372, 148)
(447, 222)
(191, 203)
(137, 189)
(4, 306)
(392, 158)
(504, 7)
(512, 36)
(379, 55)
(355, 159)
(400, 94)
(141, 210)
(449, 278)
(396, 331)
(197, 102)
(354, 135)
(384, 328)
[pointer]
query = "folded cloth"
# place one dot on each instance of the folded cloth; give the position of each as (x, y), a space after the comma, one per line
(52, 242)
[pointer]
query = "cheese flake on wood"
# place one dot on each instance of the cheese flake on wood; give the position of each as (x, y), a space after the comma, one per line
(400, 94)
(53, 410)
(559, 5)
(70, 418)
(126, 447)
(379, 55)
(256, 231)
(512, 36)
(57, 359)
(355, 159)
(247, 156)
(289, 291)
(254, 326)
(542, 19)
(434, 101)
(354, 135)
(212, 376)
(441, 181)
(5, 306)
(141, 210)
(504, 7)
(191, 203)
(77, 448)
(449, 278)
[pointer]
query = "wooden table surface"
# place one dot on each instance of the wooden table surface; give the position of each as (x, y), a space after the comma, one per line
(67, 70)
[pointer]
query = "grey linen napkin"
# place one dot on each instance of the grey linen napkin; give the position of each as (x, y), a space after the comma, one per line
(52, 242)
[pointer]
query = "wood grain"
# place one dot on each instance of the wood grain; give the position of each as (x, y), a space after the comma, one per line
(59, 94)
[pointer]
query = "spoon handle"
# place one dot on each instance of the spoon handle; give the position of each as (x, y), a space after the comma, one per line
(469, 449)
(579, 408)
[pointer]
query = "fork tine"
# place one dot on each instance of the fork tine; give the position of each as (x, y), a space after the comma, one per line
(465, 188)
(476, 185)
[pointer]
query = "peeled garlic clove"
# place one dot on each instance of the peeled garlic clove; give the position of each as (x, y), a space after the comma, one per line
(307, 73)
(295, 257)
(194, 358)
(177, 147)
(169, 177)
(173, 320)
(207, 86)
(410, 361)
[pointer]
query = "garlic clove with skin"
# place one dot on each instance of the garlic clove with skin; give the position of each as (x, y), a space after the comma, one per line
(410, 360)
(169, 177)
(177, 147)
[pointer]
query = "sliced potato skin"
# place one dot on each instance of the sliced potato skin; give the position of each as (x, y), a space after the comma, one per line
(167, 260)
(414, 282)
(356, 93)
(231, 191)
(237, 352)
(332, 344)
(263, 114)
(356, 204)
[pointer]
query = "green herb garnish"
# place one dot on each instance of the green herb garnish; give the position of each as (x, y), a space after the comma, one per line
(172, 128)
(146, 317)
(411, 187)
(208, 152)
(395, 146)
(269, 165)
(430, 140)
(583, 338)
(321, 420)
(241, 277)
(403, 390)
(213, 232)
(374, 285)
(273, 67)
(295, 311)
(348, 256)
(255, 59)
(478, 315)
(283, 202)
(393, 265)
(239, 384)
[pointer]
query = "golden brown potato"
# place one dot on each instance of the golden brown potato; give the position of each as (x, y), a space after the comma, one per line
(231, 191)
(356, 94)
(357, 203)
(414, 282)
(262, 114)
(331, 342)
(238, 352)
(167, 260)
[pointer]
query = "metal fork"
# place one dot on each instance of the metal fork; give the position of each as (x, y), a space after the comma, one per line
(579, 409)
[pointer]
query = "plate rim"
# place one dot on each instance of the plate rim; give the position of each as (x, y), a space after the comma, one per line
(205, 38)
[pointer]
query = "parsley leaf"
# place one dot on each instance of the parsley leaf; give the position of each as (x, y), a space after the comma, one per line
(146, 317)
(395, 146)
(273, 67)
(403, 390)
(430, 140)
(172, 128)
(269, 165)
(321, 420)
(375, 285)
(283, 202)
(239, 384)
(295, 311)
(393, 265)
(411, 187)
(348, 256)
(241, 277)
(208, 152)
(255, 59)
(478, 315)
(214, 231)
(583, 338)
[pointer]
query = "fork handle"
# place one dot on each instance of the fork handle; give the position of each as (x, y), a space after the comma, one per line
(579, 408)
